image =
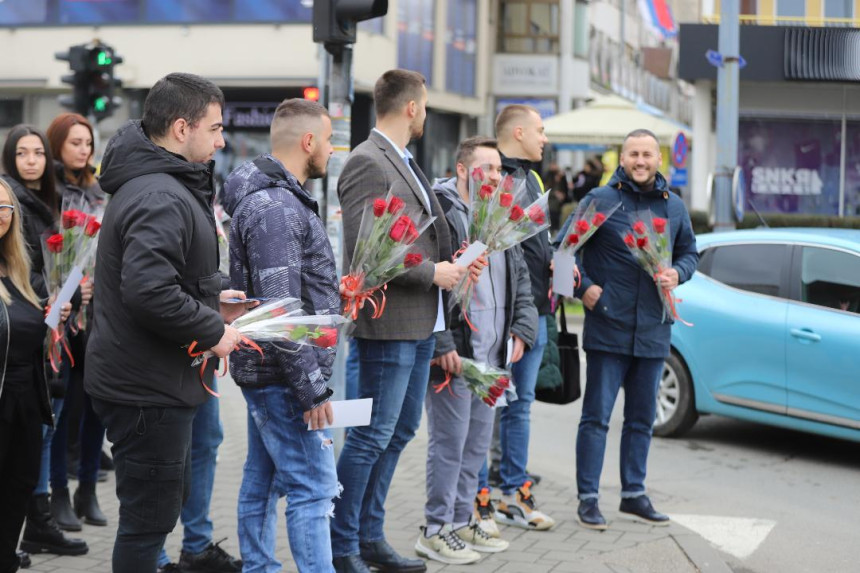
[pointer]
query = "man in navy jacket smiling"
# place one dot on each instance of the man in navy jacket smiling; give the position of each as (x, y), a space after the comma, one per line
(626, 336)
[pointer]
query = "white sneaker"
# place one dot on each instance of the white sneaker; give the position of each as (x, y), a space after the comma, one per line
(519, 509)
(484, 512)
(445, 547)
(478, 539)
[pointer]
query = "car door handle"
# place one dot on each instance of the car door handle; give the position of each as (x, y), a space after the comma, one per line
(805, 334)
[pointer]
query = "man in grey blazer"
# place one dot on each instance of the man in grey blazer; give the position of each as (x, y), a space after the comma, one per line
(394, 350)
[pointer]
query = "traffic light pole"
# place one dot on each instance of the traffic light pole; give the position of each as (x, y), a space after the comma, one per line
(728, 79)
(339, 97)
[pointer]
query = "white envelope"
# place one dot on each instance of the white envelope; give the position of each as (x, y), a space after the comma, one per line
(562, 274)
(66, 293)
(471, 253)
(350, 413)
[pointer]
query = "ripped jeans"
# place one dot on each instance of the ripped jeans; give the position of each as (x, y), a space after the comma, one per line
(285, 459)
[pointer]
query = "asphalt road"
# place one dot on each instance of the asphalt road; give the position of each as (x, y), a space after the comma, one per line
(771, 500)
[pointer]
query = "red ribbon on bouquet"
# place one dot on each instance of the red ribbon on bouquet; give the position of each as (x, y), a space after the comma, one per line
(354, 303)
(58, 343)
(668, 296)
(245, 342)
(445, 384)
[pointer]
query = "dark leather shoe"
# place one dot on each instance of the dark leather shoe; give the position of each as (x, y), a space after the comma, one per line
(349, 564)
(213, 559)
(24, 561)
(87, 505)
(640, 508)
(589, 515)
(380, 555)
(41, 534)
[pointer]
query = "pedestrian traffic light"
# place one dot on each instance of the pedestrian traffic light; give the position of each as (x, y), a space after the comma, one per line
(93, 81)
(335, 20)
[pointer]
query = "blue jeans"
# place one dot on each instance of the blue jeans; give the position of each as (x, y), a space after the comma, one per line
(47, 436)
(394, 373)
(514, 421)
(352, 365)
(285, 459)
(606, 372)
(206, 435)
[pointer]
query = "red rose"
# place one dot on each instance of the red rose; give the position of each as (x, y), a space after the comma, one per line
(92, 228)
(581, 226)
(395, 205)
(402, 228)
(659, 224)
(72, 217)
(412, 260)
(485, 192)
(537, 215)
(573, 239)
(503, 382)
(598, 219)
(327, 338)
(496, 391)
(516, 213)
(478, 174)
(379, 206)
(505, 199)
(489, 401)
(642, 242)
(55, 243)
(507, 184)
(639, 228)
(629, 240)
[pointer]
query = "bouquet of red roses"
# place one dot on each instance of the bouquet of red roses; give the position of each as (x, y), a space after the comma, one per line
(585, 223)
(649, 241)
(382, 251)
(492, 385)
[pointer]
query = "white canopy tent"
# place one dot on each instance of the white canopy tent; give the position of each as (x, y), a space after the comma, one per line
(606, 120)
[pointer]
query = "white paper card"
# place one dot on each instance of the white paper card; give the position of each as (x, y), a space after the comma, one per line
(471, 253)
(66, 294)
(350, 413)
(562, 274)
(509, 350)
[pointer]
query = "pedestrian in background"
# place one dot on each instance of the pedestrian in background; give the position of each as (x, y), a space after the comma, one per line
(280, 248)
(158, 290)
(625, 337)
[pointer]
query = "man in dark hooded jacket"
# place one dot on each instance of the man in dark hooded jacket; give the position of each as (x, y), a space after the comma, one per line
(279, 248)
(626, 336)
(158, 293)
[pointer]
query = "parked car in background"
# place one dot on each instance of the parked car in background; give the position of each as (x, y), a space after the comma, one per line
(776, 335)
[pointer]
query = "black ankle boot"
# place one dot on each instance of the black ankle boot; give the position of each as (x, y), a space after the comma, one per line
(87, 504)
(61, 509)
(41, 535)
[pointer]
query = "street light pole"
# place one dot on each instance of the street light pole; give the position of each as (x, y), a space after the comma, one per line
(728, 79)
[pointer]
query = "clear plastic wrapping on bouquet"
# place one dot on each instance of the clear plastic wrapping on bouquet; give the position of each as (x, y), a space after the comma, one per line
(491, 384)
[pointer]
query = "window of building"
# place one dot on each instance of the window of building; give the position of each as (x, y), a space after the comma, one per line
(529, 26)
(11, 112)
(830, 278)
(838, 8)
(416, 21)
(740, 266)
(461, 46)
(791, 8)
(580, 29)
(749, 7)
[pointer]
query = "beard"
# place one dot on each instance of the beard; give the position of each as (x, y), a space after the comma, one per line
(316, 169)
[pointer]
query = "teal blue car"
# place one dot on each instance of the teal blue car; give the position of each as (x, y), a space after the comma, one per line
(775, 336)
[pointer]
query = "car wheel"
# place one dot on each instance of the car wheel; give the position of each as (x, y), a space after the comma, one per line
(676, 403)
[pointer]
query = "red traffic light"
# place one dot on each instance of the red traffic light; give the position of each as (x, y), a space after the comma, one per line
(311, 93)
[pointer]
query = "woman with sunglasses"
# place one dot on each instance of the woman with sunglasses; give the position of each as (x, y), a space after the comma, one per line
(24, 402)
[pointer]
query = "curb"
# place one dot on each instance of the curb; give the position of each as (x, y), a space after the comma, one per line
(700, 553)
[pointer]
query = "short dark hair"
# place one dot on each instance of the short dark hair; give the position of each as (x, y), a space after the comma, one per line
(510, 113)
(47, 187)
(396, 88)
(178, 96)
(641, 133)
(467, 147)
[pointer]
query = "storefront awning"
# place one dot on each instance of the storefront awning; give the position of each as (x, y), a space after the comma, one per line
(658, 16)
(606, 121)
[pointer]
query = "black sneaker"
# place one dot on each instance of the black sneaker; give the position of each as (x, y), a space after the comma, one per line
(588, 515)
(170, 568)
(213, 559)
(639, 508)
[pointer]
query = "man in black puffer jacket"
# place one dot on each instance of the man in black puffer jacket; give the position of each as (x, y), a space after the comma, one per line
(158, 293)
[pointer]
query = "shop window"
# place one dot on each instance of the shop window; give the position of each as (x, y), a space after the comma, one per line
(529, 26)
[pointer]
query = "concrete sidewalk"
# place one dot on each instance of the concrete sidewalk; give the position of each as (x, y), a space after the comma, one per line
(627, 547)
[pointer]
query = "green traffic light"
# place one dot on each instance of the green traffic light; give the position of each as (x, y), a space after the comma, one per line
(100, 104)
(104, 58)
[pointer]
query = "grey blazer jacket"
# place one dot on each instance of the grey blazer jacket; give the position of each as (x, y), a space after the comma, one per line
(370, 171)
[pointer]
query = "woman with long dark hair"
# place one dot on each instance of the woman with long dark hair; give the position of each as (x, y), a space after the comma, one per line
(27, 162)
(71, 138)
(24, 402)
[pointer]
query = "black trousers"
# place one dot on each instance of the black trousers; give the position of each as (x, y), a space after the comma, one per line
(152, 455)
(20, 457)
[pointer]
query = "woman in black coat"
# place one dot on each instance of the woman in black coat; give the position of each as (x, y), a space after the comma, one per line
(24, 402)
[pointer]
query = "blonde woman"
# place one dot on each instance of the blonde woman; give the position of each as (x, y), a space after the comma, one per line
(24, 404)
